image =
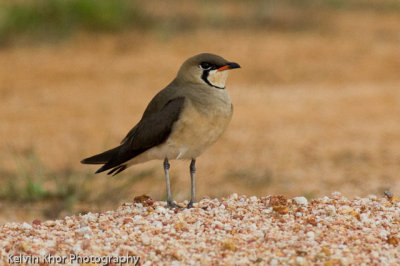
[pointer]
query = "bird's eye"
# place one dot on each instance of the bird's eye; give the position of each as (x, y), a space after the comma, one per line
(205, 65)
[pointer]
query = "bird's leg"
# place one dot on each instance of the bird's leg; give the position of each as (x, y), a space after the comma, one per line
(166, 171)
(192, 182)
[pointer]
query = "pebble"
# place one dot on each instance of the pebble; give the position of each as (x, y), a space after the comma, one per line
(26, 226)
(300, 200)
(146, 239)
(330, 209)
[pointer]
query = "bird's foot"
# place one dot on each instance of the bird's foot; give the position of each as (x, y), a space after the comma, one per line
(190, 205)
(173, 205)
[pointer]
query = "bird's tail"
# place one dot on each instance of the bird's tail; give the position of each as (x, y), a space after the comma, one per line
(101, 158)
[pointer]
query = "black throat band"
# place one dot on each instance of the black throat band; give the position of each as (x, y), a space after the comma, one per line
(205, 78)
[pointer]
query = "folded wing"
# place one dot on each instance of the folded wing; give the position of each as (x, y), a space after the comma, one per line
(152, 130)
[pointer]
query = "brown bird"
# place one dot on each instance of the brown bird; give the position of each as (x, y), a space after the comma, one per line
(180, 122)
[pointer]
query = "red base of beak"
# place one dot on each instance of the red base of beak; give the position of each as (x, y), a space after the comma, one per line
(230, 65)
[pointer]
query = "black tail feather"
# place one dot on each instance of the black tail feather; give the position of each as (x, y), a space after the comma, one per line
(102, 157)
(113, 159)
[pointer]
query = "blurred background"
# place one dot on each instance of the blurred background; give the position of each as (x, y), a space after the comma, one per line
(317, 101)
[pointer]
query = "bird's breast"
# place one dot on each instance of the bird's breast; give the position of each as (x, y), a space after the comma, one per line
(197, 128)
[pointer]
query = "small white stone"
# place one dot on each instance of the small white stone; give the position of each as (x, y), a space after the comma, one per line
(325, 199)
(375, 254)
(345, 261)
(146, 239)
(384, 234)
(26, 226)
(331, 210)
(90, 217)
(68, 221)
(365, 218)
(219, 224)
(158, 225)
(77, 248)
(301, 200)
(345, 209)
(84, 231)
(300, 261)
(253, 227)
(49, 223)
(103, 219)
(372, 197)
(160, 209)
(253, 199)
(234, 196)
(273, 262)
(310, 235)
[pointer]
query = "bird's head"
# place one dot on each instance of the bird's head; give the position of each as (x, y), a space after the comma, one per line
(208, 69)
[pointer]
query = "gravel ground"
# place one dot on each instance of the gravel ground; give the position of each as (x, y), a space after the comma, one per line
(241, 230)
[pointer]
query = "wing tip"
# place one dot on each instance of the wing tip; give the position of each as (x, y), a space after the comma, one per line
(117, 170)
(114, 170)
(101, 169)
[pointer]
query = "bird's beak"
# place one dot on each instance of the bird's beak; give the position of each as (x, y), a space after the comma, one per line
(229, 65)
